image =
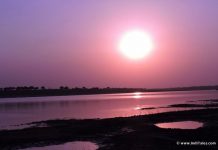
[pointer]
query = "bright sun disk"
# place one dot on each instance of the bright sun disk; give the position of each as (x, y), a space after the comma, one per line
(136, 44)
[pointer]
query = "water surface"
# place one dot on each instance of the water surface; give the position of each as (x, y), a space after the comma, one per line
(78, 145)
(17, 111)
(181, 125)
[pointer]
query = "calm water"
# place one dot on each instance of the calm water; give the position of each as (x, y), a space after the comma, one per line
(77, 145)
(16, 111)
(181, 125)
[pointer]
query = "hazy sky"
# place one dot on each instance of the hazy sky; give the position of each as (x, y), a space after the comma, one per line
(75, 43)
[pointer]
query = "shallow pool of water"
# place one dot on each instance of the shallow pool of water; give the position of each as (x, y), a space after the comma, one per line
(78, 145)
(181, 125)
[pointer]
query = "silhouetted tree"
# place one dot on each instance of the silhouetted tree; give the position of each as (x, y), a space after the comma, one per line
(9, 88)
(63, 87)
(36, 88)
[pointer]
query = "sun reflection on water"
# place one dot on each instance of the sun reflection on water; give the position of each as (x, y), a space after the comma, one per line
(137, 95)
(137, 108)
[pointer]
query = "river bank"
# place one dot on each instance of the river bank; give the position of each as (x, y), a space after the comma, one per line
(137, 132)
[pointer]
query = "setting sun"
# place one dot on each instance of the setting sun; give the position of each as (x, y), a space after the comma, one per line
(108, 74)
(136, 44)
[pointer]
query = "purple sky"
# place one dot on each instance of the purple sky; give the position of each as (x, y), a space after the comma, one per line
(75, 43)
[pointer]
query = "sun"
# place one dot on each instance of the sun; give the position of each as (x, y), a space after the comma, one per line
(135, 44)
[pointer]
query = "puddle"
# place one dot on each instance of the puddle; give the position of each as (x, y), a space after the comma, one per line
(180, 125)
(77, 145)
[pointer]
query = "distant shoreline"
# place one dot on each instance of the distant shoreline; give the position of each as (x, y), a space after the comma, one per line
(14, 92)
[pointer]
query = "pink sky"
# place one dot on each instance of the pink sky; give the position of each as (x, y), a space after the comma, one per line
(74, 43)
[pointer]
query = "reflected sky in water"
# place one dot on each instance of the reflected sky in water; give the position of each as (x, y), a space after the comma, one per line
(181, 125)
(77, 145)
(15, 111)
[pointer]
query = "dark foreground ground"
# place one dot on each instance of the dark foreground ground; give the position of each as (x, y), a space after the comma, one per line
(130, 133)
